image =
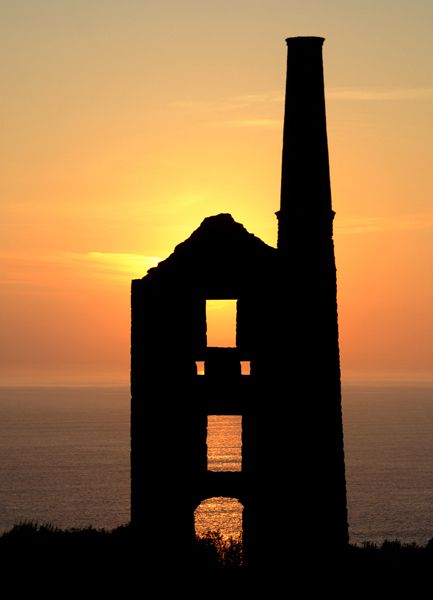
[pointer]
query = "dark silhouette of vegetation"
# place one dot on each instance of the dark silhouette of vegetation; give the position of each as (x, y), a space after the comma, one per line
(122, 546)
(227, 552)
(32, 554)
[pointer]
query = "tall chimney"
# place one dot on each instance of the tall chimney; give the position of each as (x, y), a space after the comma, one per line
(306, 355)
(305, 184)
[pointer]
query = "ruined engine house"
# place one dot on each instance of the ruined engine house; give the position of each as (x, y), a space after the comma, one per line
(292, 481)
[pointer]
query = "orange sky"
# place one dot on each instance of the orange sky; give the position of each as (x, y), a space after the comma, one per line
(126, 123)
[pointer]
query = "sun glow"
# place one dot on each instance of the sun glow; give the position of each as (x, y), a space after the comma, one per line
(122, 264)
(115, 148)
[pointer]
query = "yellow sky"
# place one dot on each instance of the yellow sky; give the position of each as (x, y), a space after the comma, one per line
(126, 123)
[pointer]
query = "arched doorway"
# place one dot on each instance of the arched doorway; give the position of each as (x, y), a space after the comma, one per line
(219, 514)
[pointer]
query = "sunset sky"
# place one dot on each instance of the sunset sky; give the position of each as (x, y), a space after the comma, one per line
(125, 123)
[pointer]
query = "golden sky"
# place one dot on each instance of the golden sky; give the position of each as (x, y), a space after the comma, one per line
(124, 124)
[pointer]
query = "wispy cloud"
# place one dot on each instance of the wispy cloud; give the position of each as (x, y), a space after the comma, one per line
(256, 110)
(230, 103)
(268, 97)
(133, 265)
(269, 100)
(52, 269)
(264, 110)
(379, 95)
(261, 123)
(368, 224)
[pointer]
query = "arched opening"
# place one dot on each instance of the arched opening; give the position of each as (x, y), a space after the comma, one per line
(219, 514)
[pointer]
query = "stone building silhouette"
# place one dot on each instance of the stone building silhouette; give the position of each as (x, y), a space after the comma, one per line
(292, 481)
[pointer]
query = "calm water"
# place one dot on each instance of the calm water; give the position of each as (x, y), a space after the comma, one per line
(64, 458)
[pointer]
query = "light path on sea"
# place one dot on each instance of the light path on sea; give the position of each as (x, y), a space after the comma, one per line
(64, 458)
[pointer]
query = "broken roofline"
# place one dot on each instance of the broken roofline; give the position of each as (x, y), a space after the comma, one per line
(218, 239)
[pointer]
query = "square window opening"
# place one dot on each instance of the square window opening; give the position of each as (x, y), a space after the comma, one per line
(221, 323)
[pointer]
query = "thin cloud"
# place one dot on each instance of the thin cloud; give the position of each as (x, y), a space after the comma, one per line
(271, 98)
(368, 224)
(211, 106)
(230, 103)
(260, 123)
(37, 270)
(122, 262)
(261, 98)
(255, 110)
(379, 95)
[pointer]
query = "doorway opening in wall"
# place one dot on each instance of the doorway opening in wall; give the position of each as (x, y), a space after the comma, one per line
(219, 514)
(221, 323)
(224, 443)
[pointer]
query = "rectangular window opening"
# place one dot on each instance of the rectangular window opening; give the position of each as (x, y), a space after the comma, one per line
(200, 367)
(221, 323)
(224, 443)
(245, 367)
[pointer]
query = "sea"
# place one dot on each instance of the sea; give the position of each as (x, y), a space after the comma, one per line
(64, 459)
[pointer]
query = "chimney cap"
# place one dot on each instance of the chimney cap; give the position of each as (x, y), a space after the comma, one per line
(305, 40)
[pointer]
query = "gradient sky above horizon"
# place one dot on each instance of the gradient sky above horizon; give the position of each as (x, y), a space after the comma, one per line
(126, 123)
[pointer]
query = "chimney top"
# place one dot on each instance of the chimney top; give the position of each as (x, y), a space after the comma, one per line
(304, 41)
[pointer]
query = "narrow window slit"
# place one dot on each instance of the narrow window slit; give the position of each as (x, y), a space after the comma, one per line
(245, 367)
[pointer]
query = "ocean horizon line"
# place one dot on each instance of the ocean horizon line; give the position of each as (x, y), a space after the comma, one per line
(357, 380)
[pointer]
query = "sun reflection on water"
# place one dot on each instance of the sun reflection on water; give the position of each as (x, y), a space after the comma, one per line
(219, 513)
(224, 444)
